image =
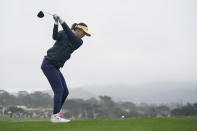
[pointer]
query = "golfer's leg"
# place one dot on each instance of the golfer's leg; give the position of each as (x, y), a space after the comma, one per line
(55, 81)
(66, 92)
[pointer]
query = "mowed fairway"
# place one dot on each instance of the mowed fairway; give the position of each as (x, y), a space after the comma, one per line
(135, 124)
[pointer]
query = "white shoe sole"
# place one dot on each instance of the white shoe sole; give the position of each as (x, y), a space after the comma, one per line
(52, 121)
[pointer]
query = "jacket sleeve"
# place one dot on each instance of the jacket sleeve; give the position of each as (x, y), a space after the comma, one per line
(70, 34)
(56, 35)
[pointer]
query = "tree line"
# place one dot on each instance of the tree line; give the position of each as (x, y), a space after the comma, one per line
(103, 107)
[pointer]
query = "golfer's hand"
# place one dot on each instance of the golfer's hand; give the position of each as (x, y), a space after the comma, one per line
(55, 18)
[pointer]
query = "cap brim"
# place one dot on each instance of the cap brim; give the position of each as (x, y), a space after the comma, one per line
(85, 31)
(87, 34)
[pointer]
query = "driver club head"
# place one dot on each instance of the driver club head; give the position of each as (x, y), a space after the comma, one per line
(40, 14)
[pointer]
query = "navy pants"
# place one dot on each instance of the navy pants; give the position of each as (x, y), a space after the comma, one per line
(58, 84)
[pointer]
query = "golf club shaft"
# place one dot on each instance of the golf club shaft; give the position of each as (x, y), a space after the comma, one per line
(47, 13)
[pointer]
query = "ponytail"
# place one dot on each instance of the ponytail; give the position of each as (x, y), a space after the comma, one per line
(73, 26)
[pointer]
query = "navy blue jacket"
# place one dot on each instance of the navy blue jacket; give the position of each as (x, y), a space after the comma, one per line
(66, 43)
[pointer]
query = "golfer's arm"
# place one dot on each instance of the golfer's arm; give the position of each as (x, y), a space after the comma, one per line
(69, 32)
(55, 32)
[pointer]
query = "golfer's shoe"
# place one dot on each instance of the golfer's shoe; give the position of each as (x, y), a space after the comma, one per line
(57, 118)
(61, 115)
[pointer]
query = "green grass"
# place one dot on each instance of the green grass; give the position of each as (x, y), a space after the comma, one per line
(135, 124)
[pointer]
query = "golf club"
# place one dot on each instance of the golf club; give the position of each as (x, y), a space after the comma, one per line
(41, 14)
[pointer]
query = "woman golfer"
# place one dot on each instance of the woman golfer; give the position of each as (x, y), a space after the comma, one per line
(67, 41)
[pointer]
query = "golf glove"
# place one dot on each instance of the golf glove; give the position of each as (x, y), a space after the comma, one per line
(59, 19)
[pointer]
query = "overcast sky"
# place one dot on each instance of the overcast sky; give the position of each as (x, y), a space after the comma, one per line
(133, 42)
